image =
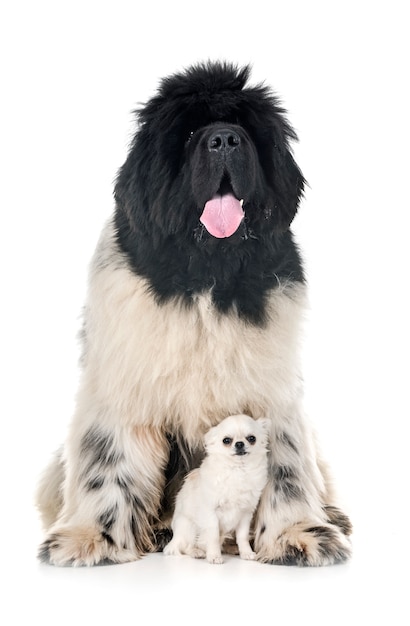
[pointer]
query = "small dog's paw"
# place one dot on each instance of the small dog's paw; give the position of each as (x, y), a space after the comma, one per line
(303, 544)
(230, 547)
(171, 550)
(248, 555)
(198, 553)
(82, 546)
(216, 559)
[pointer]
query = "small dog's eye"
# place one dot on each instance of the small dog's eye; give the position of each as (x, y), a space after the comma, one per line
(251, 439)
(227, 441)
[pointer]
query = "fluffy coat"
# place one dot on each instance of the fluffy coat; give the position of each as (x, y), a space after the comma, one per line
(220, 496)
(183, 326)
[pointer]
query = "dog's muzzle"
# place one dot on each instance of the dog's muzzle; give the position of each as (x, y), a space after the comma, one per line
(240, 448)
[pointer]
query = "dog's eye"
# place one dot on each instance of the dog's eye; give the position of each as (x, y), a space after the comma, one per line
(251, 439)
(227, 441)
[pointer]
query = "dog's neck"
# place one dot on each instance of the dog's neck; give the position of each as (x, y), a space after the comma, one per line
(239, 276)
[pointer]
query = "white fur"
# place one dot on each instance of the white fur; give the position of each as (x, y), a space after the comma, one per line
(221, 495)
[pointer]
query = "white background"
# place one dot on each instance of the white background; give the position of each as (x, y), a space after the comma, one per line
(71, 74)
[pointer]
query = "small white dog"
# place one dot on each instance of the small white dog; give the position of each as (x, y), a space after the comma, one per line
(220, 496)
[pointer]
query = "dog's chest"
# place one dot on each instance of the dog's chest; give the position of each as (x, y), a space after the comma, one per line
(188, 366)
(235, 494)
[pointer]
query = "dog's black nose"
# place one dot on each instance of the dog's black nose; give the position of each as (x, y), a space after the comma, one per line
(240, 448)
(224, 140)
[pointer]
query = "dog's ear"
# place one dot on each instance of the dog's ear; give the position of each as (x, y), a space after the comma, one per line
(288, 184)
(267, 123)
(266, 424)
(209, 437)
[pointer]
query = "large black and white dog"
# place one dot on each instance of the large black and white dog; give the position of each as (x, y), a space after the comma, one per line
(195, 300)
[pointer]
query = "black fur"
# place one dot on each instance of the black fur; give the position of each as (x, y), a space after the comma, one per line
(96, 483)
(285, 483)
(108, 518)
(170, 173)
(338, 518)
(100, 449)
(44, 551)
(286, 440)
(182, 459)
(329, 546)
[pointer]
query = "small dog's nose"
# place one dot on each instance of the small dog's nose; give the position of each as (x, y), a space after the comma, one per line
(239, 445)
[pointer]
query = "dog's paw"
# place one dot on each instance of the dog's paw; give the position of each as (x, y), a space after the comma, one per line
(305, 544)
(176, 548)
(216, 559)
(249, 555)
(230, 547)
(163, 536)
(197, 553)
(171, 549)
(83, 546)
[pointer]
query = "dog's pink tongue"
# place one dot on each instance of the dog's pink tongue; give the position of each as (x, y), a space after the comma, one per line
(222, 215)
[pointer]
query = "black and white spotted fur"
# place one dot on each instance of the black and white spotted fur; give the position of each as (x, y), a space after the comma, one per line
(182, 329)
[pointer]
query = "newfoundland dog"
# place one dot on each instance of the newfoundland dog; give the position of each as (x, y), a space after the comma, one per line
(195, 300)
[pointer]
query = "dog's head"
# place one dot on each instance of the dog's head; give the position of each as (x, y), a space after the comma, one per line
(211, 160)
(238, 436)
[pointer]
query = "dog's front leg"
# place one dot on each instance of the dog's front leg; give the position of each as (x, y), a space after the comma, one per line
(210, 540)
(295, 523)
(242, 538)
(113, 484)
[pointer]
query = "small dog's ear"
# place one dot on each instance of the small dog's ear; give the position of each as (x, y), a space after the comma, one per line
(266, 424)
(209, 437)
